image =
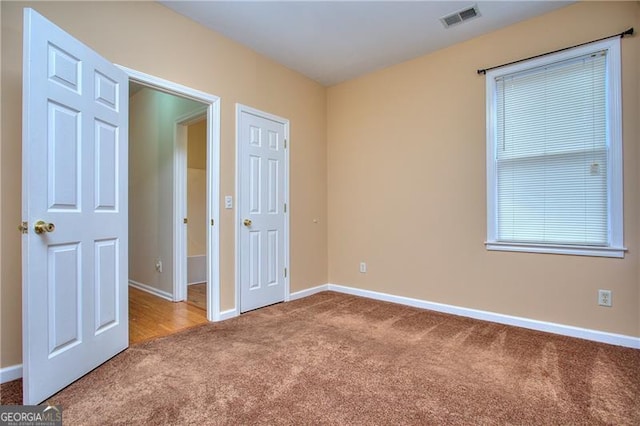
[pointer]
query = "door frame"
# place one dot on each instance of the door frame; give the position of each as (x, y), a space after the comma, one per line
(240, 108)
(180, 200)
(212, 103)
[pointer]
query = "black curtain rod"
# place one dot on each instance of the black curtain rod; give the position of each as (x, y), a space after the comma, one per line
(621, 35)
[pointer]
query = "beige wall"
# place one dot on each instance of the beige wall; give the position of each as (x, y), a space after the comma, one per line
(407, 187)
(197, 188)
(148, 37)
(152, 117)
(196, 212)
(197, 145)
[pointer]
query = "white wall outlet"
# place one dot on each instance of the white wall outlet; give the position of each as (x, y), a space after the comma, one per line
(159, 265)
(228, 202)
(604, 297)
(363, 267)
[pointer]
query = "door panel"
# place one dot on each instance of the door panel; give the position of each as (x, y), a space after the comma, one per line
(255, 164)
(75, 177)
(255, 246)
(106, 167)
(106, 285)
(63, 146)
(261, 201)
(65, 322)
(272, 257)
(272, 187)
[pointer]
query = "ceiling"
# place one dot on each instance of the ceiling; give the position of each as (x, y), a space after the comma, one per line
(334, 41)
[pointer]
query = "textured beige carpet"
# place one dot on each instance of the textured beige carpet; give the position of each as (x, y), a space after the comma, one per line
(338, 359)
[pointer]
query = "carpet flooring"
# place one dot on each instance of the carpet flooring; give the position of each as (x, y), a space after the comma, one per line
(337, 359)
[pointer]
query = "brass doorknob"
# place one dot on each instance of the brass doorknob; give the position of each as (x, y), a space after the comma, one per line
(247, 222)
(41, 227)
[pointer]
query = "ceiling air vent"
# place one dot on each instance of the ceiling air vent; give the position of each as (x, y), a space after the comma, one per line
(460, 16)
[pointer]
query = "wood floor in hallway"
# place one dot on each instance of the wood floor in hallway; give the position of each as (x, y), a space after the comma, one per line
(151, 316)
(197, 295)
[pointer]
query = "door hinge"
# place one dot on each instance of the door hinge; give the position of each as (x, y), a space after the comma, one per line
(285, 207)
(285, 144)
(285, 272)
(24, 227)
(185, 220)
(212, 222)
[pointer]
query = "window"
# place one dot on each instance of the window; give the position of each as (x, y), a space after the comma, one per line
(554, 153)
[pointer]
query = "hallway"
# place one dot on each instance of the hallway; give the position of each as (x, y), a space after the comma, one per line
(151, 317)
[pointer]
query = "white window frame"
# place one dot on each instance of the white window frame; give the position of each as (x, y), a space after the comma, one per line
(615, 246)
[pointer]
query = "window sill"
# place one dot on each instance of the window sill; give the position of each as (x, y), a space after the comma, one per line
(557, 249)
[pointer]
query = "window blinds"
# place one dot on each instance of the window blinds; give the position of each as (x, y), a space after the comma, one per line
(551, 154)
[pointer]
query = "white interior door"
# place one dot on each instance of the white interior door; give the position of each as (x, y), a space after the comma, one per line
(75, 125)
(262, 172)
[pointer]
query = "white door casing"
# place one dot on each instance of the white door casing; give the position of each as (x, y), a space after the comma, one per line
(212, 112)
(262, 217)
(75, 135)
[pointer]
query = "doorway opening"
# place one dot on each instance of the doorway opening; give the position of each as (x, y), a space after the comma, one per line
(165, 119)
(190, 196)
(196, 194)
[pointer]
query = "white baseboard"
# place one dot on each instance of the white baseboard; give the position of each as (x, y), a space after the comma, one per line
(228, 314)
(231, 313)
(308, 292)
(565, 330)
(8, 374)
(156, 292)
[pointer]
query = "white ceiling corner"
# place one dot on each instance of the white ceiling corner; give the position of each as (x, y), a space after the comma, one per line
(334, 41)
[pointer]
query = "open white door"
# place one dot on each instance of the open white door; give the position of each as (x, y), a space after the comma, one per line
(74, 290)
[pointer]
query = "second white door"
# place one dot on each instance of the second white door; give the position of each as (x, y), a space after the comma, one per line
(262, 209)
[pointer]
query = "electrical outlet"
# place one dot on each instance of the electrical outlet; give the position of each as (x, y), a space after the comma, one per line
(228, 202)
(604, 297)
(159, 265)
(363, 267)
